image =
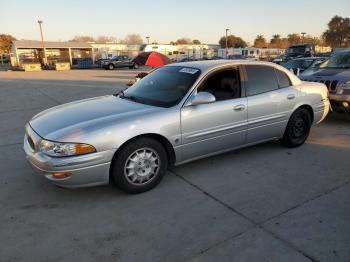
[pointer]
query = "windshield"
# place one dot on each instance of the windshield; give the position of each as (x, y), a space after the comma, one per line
(303, 64)
(165, 87)
(341, 60)
(296, 50)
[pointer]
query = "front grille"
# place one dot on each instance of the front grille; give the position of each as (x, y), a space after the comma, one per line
(31, 142)
(331, 85)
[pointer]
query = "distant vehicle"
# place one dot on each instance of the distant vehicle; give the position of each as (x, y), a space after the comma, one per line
(237, 57)
(119, 62)
(139, 76)
(299, 65)
(335, 74)
(298, 51)
(179, 113)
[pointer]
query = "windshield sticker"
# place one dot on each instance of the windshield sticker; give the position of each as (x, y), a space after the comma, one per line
(187, 70)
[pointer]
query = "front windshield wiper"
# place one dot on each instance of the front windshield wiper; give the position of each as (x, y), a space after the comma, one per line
(122, 95)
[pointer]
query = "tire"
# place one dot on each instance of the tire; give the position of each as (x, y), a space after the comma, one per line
(298, 128)
(136, 66)
(111, 67)
(139, 166)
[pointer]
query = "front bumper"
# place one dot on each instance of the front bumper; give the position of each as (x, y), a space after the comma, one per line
(87, 170)
(340, 103)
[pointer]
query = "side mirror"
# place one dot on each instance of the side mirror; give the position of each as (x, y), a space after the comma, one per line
(202, 98)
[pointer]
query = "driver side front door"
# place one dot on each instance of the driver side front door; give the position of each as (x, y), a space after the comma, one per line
(218, 126)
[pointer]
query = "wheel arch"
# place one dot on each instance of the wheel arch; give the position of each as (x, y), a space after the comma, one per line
(309, 109)
(163, 140)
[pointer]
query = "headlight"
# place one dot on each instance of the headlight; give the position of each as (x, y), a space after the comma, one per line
(344, 88)
(57, 149)
(345, 85)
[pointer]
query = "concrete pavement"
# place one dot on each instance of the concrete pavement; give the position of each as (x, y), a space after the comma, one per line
(263, 203)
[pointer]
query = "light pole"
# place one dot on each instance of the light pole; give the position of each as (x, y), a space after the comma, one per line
(302, 38)
(226, 41)
(42, 41)
(147, 37)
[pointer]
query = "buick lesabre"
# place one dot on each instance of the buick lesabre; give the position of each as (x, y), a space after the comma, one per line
(179, 113)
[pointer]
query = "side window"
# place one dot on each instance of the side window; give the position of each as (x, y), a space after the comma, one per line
(260, 79)
(283, 79)
(223, 85)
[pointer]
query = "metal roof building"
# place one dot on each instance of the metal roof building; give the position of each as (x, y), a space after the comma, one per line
(28, 51)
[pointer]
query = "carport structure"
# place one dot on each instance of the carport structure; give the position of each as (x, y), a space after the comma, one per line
(26, 51)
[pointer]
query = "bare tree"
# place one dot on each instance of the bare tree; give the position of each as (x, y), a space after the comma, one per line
(183, 41)
(105, 39)
(83, 38)
(133, 39)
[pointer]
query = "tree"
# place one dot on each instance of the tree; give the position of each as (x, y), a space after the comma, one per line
(105, 39)
(294, 39)
(6, 43)
(133, 39)
(83, 38)
(196, 42)
(232, 41)
(278, 42)
(183, 41)
(338, 32)
(260, 42)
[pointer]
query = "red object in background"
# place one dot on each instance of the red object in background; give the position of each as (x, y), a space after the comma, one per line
(153, 59)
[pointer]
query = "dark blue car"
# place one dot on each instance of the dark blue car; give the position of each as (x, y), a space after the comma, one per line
(335, 74)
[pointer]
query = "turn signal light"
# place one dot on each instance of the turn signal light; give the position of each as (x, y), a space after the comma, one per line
(61, 175)
(83, 149)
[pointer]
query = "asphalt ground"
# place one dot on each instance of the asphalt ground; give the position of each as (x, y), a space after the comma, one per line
(262, 203)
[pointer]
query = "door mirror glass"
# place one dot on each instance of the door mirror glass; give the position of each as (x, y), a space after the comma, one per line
(202, 98)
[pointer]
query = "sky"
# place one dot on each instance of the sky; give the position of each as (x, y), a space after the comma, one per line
(165, 20)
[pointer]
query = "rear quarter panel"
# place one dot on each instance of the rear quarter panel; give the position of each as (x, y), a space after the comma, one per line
(316, 96)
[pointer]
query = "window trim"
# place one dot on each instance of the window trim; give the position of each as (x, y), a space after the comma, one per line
(232, 68)
(278, 81)
(246, 79)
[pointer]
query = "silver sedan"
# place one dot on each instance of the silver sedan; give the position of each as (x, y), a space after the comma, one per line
(179, 113)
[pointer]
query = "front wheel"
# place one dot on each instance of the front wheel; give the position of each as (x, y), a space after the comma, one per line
(110, 66)
(136, 66)
(139, 166)
(298, 128)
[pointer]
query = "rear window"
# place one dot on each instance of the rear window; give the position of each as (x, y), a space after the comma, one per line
(260, 79)
(283, 79)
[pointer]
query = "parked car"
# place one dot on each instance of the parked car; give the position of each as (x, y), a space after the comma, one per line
(335, 74)
(179, 113)
(119, 62)
(299, 65)
(139, 76)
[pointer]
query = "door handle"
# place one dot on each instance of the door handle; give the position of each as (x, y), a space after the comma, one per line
(239, 108)
(290, 96)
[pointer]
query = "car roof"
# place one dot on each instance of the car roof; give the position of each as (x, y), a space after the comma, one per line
(307, 58)
(205, 66)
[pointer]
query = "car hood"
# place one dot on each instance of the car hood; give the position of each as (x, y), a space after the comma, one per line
(325, 73)
(62, 122)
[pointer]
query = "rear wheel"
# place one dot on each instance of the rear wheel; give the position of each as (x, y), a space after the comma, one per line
(140, 165)
(298, 128)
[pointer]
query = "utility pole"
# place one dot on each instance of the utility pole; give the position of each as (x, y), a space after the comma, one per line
(226, 42)
(147, 37)
(302, 38)
(42, 42)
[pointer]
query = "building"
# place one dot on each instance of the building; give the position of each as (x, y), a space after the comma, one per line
(25, 51)
(181, 51)
(110, 49)
(259, 53)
